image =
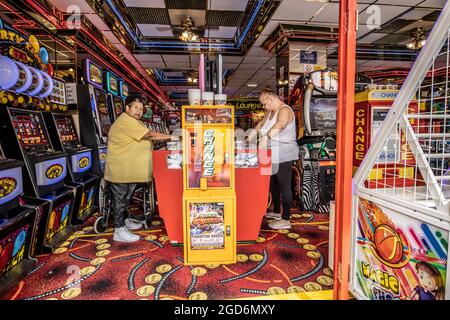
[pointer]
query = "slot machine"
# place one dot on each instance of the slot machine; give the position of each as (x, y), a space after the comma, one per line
(24, 137)
(95, 120)
(124, 92)
(112, 88)
(17, 225)
(64, 137)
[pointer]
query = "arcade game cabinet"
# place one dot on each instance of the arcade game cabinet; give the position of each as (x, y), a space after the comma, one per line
(17, 225)
(112, 87)
(318, 145)
(24, 137)
(371, 108)
(61, 128)
(25, 85)
(95, 120)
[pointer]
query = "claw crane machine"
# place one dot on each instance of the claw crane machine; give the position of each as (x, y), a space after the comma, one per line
(400, 230)
(209, 197)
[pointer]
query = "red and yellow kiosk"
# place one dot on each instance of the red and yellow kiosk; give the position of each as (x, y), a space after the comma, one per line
(209, 197)
(251, 177)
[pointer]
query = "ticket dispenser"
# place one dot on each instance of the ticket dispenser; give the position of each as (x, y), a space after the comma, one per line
(209, 197)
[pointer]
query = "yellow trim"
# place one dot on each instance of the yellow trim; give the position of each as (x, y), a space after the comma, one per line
(364, 96)
(312, 295)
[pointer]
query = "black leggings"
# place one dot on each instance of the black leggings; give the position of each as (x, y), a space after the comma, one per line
(280, 183)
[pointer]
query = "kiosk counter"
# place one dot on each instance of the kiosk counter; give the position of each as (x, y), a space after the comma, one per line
(252, 190)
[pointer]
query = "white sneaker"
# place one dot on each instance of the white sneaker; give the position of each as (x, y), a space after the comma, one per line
(123, 235)
(273, 215)
(280, 224)
(131, 225)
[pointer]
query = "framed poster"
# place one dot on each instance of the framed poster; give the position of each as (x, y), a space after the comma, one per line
(207, 227)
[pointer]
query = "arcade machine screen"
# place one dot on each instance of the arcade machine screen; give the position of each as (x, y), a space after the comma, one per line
(103, 114)
(66, 130)
(323, 114)
(95, 74)
(30, 130)
(389, 153)
(118, 106)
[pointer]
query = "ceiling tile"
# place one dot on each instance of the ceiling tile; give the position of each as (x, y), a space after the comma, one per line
(238, 5)
(222, 33)
(286, 10)
(148, 57)
(259, 60)
(155, 30)
(145, 3)
(168, 58)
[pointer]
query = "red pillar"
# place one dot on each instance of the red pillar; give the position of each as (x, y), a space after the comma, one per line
(345, 115)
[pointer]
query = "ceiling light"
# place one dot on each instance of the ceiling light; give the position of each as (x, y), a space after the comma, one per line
(418, 39)
(252, 85)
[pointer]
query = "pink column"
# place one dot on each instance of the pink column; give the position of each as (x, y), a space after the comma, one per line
(201, 73)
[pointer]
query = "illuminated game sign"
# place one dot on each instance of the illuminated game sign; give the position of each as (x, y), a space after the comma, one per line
(81, 162)
(54, 171)
(10, 184)
(93, 73)
(7, 186)
(112, 83)
(398, 257)
(51, 171)
(12, 249)
(84, 162)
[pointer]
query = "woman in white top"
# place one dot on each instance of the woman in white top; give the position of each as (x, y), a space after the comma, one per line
(277, 131)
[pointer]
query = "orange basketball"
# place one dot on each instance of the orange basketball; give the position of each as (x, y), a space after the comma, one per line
(389, 244)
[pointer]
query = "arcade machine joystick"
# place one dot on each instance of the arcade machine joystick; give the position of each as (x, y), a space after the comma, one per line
(61, 128)
(17, 224)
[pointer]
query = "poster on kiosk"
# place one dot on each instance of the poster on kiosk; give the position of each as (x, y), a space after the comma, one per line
(209, 197)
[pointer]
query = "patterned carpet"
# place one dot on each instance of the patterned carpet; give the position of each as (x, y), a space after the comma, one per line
(92, 266)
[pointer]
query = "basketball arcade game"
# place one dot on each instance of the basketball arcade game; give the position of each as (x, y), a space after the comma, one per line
(17, 225)
(401, 225)
(209, 197)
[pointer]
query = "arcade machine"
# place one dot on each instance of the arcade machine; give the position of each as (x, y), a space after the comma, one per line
(112, 88)
(314, 183)
(371, 107)
(25, 82)
(400, 200)
(17, 225)
(95, 120)
(64, 137)
(25, 137)
(123, 93)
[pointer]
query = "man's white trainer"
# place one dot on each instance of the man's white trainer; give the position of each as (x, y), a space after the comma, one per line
(123, 235)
